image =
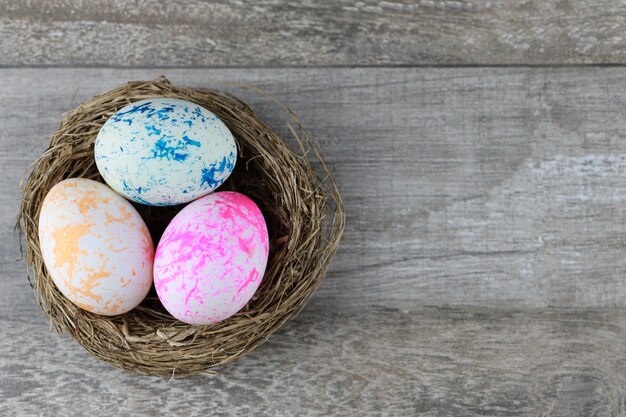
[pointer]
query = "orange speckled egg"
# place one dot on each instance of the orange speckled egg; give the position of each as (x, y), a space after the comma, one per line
(96, 247)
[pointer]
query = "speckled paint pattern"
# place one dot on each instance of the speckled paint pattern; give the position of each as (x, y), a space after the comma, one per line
(164, 151)
(96, 247)
(211, 258)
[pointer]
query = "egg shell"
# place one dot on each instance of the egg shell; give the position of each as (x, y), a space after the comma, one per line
(96, 247)
(164, 151)
(211, 258)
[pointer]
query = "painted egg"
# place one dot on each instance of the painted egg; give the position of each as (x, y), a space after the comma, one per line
(96, 247)
(211, 258)
(164, 151)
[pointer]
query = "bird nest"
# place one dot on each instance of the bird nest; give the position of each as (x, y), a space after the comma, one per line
(303, 211)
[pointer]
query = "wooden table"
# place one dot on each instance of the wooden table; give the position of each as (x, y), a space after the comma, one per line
(480, 150)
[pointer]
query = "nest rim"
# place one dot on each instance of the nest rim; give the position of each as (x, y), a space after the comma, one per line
(304, 213)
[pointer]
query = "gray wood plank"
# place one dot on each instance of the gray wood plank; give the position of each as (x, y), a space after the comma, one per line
(272, 32)
(489, 187)
(348, 362)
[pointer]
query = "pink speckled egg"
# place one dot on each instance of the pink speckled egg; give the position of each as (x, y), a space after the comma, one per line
(211, 258)
(96, 247)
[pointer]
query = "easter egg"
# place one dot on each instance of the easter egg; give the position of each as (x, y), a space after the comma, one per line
(95, 246)
(211, 258)
(164, 151)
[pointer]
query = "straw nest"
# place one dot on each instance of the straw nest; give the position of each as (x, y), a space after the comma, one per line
(303, 211)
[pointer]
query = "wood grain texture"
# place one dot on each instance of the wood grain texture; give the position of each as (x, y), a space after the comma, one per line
(276, 33)
(348, 362)
(501, 190)
(489, 187)
(463, 186)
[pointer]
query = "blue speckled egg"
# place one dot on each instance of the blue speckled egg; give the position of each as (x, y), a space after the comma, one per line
(164, 151)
